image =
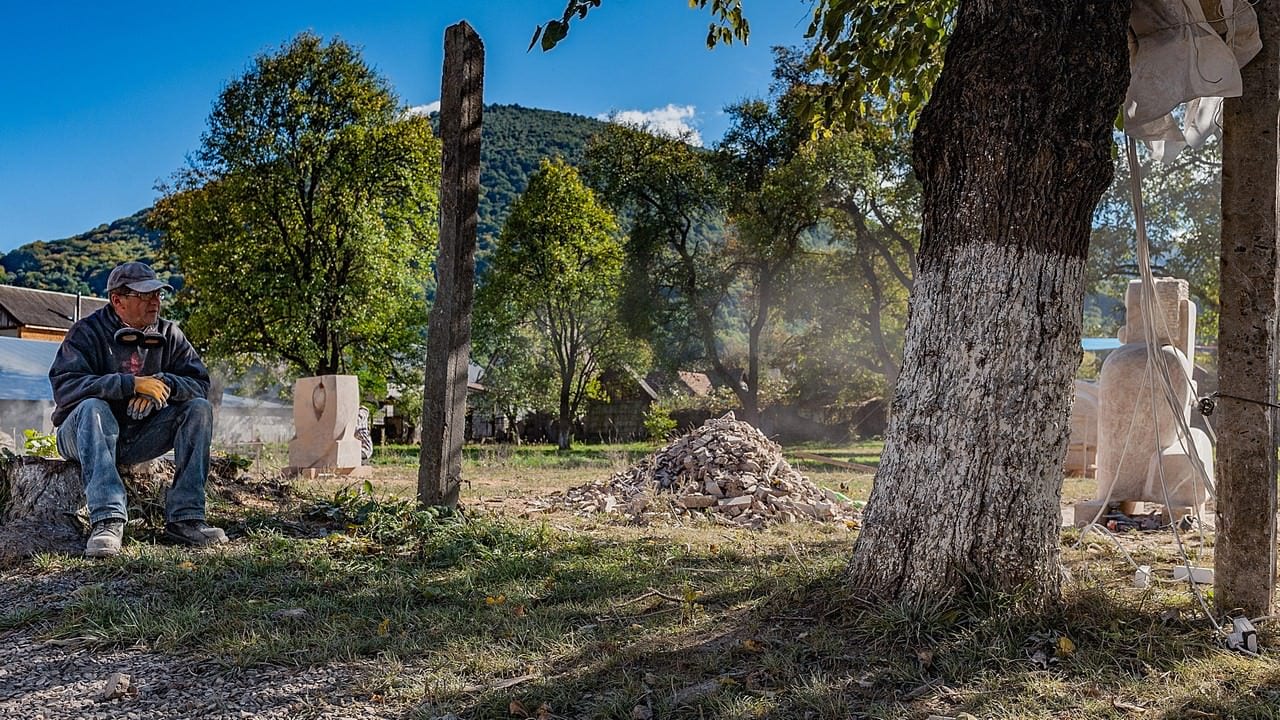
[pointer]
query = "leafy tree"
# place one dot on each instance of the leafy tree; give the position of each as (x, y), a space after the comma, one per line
(780, 185)
(862, 266)
(554, 283)
(1183, 201)
(671, 197)
(1013, 158)
(852, 295)
(305, 222)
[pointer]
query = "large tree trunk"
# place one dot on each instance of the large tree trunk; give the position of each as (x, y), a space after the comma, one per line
(1014, 151)
(1245, 554)
(564, 421)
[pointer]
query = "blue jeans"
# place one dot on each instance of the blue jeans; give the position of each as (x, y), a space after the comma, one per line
(92, 436)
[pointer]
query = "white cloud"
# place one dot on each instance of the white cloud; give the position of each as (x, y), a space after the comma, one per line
(423, 110)
(672, 120)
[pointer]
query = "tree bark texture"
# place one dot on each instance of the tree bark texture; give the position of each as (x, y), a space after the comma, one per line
(42, 499)
(444, 403)
(1014, 150)
(1245, 552)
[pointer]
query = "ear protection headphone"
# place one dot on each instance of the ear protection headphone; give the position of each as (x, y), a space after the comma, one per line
(134, 337)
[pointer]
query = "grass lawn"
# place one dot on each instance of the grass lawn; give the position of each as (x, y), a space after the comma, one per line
(502, 612)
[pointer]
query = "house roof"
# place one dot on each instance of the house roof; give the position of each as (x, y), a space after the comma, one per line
(24, 369)
(44, 308)
(697, 383)
(1095, 344)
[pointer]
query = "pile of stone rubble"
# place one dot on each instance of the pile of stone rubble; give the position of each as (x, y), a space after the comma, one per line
(726, 469)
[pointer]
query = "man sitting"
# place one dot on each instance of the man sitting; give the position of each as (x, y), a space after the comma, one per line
(128, 388)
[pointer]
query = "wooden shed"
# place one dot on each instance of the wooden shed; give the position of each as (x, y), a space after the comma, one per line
(41, 314)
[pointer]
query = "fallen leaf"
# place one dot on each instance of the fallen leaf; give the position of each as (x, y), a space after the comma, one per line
(384, 627)
(187, 565)
(516, 708)
(518, 611)
(1127, 707)
(1065, 646)
(694, 692)
(753, 645)
(495, 599)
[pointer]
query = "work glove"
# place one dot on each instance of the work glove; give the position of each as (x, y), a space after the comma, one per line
(140, 406)
(152, 387)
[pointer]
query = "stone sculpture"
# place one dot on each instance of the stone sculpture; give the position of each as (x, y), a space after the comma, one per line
(1082, 448)
(324, 426)
(1147, 449)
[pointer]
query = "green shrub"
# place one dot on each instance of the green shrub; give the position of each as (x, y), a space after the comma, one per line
(39, 444)
(658, 423)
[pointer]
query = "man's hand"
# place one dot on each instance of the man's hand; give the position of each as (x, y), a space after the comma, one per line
(140, 406)
(152, 387)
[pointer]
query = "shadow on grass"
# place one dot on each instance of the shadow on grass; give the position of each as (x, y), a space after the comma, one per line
(597, 627)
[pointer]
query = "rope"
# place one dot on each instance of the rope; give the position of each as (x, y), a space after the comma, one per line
(1149, 307)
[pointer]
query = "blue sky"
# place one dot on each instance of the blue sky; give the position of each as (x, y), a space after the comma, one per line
(100, 101)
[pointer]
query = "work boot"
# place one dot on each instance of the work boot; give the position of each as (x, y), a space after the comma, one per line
(105, 538)
(196, 533)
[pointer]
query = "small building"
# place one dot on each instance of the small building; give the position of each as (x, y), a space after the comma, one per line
(26, 399)
(620, 417)
(250, 421)
(41, 314)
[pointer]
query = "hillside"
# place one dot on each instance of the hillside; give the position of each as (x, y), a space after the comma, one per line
(80, 264)
(515, 139)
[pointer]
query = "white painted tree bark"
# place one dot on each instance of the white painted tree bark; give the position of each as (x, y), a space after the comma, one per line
(1014, 150)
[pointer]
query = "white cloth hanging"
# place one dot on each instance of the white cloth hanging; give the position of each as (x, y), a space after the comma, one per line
(1177, 55)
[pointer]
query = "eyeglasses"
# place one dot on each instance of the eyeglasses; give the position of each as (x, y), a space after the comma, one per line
(154, 295)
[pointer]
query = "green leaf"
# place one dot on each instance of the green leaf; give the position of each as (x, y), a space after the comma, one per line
(555, 31)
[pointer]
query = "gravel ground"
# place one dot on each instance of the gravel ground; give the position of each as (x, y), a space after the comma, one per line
(42, 679)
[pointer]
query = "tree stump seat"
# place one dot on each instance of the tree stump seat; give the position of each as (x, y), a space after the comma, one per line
(42, 503)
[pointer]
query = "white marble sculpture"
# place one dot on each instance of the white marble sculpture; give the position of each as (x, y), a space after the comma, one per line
(1082, 450)
(1144, 453)
(324, 425)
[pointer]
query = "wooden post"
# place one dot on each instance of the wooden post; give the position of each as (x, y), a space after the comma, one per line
(444, 396)
(1245, 552)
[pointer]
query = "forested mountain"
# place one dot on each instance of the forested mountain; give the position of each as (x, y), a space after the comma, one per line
(80, 264)
(515, 140)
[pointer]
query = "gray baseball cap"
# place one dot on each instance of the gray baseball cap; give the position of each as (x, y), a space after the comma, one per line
(138, 277)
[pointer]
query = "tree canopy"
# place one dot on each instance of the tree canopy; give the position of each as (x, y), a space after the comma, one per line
(553, 289)
(879, 58)
(305, 222)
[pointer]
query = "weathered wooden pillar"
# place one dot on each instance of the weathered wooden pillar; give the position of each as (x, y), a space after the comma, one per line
(444, 397)
(1245, 552)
